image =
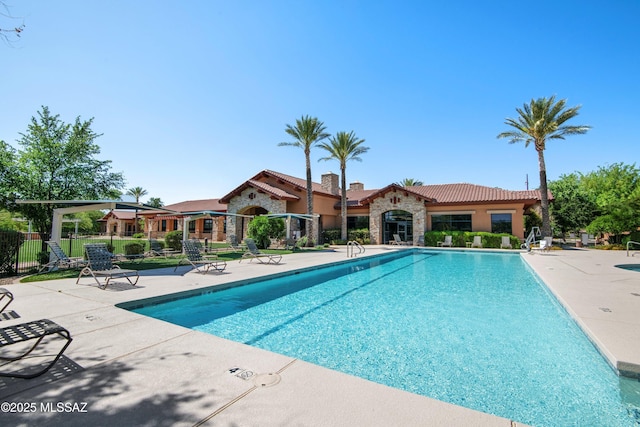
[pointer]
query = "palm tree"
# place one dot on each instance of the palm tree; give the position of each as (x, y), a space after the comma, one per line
(307, 132)
(136, 192)
(344, 147)
(538, 121)
(409, 182)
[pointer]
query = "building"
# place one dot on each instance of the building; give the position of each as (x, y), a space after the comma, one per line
(407, 211)
(205, 219)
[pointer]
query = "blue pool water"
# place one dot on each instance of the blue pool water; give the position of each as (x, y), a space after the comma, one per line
(473, 329)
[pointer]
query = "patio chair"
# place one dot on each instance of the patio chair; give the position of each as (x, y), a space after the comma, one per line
(36, 330)
(101, 265)
(156, 249)
(234, 245)
(477, 242)
(201, 263)
(447, 241)
(398, 241)
(544, 246)
(254, 253)
(5, 293)
(506, 243)
(60, 259)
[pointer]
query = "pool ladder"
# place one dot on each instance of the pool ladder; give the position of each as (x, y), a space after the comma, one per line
(352, 245)
(629, 243)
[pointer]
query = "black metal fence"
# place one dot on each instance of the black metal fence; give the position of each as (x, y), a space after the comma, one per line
(24, 253)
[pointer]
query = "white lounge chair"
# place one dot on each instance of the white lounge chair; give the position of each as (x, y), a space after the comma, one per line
(447, 241)
(506, 243)
(477, 242)
(544, 246)
(398, 241)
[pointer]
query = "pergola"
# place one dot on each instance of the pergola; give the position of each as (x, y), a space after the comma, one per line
(75, 206)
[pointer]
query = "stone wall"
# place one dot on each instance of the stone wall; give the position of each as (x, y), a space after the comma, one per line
(250, 198)
(396, 201)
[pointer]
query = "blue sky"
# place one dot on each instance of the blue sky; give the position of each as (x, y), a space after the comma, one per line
(193, 97)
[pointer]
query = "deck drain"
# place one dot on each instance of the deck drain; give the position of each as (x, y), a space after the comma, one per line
(267, 380)
(605, 309)
(635, 294)
(241, 373)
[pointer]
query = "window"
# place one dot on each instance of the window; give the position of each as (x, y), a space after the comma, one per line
(357, 222)
(163, 225)
(208, 226)
(192, 226)
(451, 222)
(175, 224)
(501, 223)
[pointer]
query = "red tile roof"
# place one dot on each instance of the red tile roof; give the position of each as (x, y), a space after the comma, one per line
(297, 182)
(471, 193)
(198, 206)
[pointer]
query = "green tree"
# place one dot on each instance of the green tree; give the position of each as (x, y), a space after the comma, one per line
(262, 229)
(541, 120)
(56, 162)
(409, 182)
(136, 192)
(307, 132)
(344, 147)
(573, 206)
(155, 202)
(616, 191)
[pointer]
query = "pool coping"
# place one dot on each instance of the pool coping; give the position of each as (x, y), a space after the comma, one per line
(150, 361)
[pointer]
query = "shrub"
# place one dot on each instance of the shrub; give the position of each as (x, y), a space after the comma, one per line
(173, 240)
(138, 236)
(332, 235)
(134, 248)
(10, 241)
(43, 257)
(262, 229)
(460, 238)
(361, 236)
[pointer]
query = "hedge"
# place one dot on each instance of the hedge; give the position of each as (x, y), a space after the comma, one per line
(461, 238)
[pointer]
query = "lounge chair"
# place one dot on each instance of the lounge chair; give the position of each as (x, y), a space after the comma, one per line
(234, 245)
(5, 293)
(156, 249)
(544, 246)
(36, 330)
(506, 243)
(60, 259)
(447, 241)
(254, 253)
(398, 241)
(477, 242)
(101, 265)
(201, 263)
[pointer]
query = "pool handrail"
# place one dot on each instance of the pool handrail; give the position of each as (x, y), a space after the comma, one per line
(351, 247)
(629, 242)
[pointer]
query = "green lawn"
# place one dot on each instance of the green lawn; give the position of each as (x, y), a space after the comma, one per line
(153, 263)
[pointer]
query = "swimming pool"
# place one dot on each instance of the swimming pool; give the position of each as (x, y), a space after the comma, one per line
(474, 329)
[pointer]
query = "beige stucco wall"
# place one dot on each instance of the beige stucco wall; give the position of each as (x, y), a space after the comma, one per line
(481, 215)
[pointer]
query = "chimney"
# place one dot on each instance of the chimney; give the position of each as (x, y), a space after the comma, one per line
(356, 186)
(330, 183)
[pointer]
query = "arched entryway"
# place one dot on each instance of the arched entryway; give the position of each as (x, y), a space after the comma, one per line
(397, 222)
(242, 222)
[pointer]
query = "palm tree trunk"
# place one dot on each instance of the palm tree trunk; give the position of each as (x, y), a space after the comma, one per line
(310, 239)
(343, 202)
(544, 196)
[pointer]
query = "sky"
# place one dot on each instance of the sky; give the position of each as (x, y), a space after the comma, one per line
(192, 97)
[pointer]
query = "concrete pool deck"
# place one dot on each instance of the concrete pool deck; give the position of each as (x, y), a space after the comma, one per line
(127, 369)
